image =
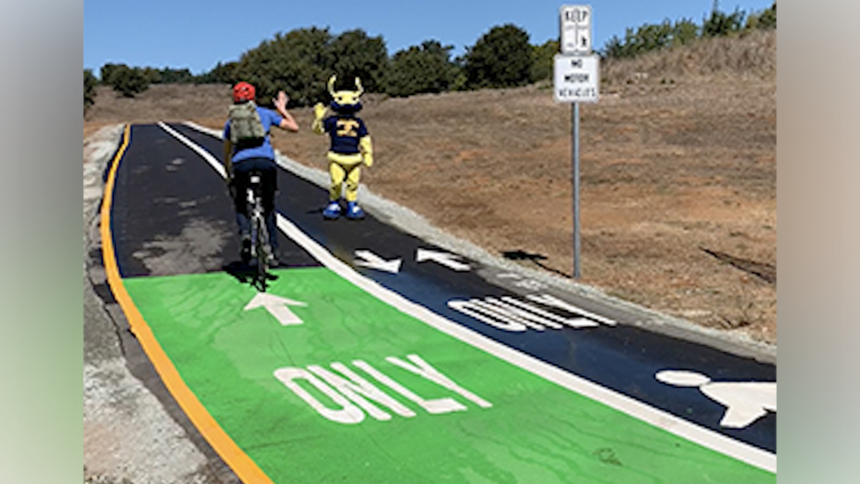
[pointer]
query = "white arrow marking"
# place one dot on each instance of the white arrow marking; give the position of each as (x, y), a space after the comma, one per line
(276, 306)
(373, 261)
(443, 258)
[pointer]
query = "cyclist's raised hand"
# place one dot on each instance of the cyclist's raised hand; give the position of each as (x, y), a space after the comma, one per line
(280, 103)
(281, 100)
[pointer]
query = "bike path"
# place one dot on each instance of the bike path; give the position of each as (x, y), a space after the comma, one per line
(611, 350)
(504, 422)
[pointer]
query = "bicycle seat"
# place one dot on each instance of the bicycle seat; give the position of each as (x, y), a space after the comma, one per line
(255, 186)
(255, 177)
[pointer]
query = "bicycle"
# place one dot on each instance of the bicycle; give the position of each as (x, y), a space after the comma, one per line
(261, 250)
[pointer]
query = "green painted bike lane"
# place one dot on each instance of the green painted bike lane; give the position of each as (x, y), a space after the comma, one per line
(361, 392)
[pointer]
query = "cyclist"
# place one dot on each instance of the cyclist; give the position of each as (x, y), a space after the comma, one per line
(243, 155)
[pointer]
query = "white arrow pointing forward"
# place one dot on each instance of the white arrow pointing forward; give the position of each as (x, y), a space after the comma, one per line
(276, 306)
(443, 258)
(373, 261)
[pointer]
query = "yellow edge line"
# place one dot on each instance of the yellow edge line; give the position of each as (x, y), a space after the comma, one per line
(238, 460)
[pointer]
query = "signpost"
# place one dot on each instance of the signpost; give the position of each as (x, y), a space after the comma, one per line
(576, 79)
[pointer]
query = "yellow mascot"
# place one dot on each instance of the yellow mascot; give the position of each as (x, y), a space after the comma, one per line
(350, 148)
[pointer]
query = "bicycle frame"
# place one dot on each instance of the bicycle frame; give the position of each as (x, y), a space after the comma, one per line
(260, 248)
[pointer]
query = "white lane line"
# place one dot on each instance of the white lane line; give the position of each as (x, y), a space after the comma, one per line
(197, 148)
(656, 417)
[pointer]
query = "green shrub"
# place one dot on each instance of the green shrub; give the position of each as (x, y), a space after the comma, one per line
(296, 63)
(684, 32)
(721, 24)
(220, 74)
(421, 69)
(542, 60)
(501, 58)
(767, 19)
(173, 76)
(302, 61)
(126, 80)
(90, 83)
(107, 71)
(355, 54)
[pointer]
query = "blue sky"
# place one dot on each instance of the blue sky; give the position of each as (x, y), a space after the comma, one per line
(197, 34)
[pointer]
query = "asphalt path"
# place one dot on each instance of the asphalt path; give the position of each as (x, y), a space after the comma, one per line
(170, 215)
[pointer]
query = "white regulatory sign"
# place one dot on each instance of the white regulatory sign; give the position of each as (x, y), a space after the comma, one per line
(576, 78)
(575, 29)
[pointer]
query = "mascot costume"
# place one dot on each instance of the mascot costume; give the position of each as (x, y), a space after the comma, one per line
(350, 147)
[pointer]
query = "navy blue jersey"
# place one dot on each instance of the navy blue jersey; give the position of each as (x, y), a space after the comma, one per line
(345, 133)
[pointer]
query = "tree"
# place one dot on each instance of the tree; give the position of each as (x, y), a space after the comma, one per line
(768, 18)
(302, 61)
(501, 58)
(107, 71)
(684, 32)
(764, 20)
(614, 48)
(421, 69)
(90, 83)
(649, 37)
(220, 74)
(126, 80)
(174, 76)
(354, 54)
(298, 63)
(721, 24)
(152, 75)
(542, 60)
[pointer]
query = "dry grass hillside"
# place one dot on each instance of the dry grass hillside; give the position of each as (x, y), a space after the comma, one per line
(678, 173)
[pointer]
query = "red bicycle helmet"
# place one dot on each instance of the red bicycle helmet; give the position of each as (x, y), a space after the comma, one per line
(243, 91)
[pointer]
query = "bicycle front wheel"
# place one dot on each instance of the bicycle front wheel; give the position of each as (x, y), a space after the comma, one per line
(264, 250)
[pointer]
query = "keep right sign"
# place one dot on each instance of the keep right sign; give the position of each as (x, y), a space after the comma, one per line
(576, 78)
(575, 29)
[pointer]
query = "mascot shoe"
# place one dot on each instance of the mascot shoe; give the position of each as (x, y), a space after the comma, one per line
(332, 211)
(353, 211)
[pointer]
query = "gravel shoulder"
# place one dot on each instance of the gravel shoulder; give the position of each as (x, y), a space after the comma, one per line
(133, 432)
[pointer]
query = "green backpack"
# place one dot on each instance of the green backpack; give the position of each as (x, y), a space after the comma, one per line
(246, 128)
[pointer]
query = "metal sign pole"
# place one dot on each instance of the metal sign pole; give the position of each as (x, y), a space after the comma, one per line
(575, 175)
(576, 78)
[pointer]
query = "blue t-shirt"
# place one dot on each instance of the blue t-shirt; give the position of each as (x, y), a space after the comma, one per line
(345, 133)
(269, 118)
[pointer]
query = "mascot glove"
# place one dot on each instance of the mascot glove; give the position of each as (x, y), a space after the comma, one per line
(319, 110)
(368, 160)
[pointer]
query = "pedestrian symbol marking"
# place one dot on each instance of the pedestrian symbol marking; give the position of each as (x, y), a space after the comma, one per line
(745, 401)
(276, 306)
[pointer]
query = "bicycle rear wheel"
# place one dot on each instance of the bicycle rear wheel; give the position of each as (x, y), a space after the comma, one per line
(263, 252)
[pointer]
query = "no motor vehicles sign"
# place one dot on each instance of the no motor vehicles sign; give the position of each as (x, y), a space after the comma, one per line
(576, 78)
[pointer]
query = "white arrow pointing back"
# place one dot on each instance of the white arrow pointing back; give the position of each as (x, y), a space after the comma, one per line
(444, 258)
(373, 261)
(276, 306)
